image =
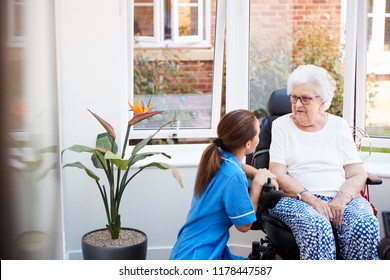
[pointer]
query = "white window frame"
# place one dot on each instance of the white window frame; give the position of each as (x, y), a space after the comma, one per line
(202, 40)
(175, 26)
(219, 44)
(157, 19)
(13, 40)
(237, 55)
(354, 104)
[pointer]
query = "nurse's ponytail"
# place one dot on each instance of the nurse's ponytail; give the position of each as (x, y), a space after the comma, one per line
(234, 130)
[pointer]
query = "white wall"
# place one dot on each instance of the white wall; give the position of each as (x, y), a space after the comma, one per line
(90, 77)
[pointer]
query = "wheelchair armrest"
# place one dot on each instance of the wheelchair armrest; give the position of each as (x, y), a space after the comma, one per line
(373, 179)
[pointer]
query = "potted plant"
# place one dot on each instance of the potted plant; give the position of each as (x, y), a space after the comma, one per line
(117, 170)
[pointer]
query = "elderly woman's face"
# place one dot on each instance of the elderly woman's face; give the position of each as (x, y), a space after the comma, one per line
(306, 104)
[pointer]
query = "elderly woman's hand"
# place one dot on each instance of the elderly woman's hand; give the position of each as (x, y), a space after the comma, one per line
(338, 205)
(356, 178)
(319, 205)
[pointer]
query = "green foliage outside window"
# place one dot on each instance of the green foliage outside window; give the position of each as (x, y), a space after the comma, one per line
(270, 67)
(314, 45)
(165, 75)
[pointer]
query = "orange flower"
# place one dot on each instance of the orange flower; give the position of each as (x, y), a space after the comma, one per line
(139, 107)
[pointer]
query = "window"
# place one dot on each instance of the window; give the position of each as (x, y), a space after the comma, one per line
(183, 86)
(172, 23)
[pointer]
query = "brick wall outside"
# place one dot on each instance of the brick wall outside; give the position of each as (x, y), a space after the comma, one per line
(271, 19)
(202, 72)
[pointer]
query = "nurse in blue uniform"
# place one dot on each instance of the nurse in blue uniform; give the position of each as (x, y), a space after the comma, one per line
(221, 197)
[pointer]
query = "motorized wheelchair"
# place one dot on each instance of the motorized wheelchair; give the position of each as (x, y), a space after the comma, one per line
(279, 242)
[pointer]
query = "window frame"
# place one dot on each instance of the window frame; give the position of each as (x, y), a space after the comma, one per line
(219, 44)
(156, 15)
(202, 40)
(175, 26)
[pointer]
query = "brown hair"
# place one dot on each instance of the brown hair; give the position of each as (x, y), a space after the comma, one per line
(234, 130)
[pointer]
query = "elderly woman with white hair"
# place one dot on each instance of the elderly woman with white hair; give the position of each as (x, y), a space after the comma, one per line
(317, 165)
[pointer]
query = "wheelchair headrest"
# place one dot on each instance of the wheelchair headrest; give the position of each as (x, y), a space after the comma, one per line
(279, 103)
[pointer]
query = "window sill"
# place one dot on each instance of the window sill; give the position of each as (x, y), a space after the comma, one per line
(378, 164)
(182, 155)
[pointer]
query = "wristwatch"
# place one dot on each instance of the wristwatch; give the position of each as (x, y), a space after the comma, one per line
(299, 195)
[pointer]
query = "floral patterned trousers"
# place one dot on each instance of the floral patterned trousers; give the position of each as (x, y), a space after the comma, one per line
(358, 234)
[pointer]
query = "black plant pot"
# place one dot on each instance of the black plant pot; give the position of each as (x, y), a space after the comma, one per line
(135, 251)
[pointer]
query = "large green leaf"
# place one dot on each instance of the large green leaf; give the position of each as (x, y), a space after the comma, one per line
(104, 143)
(160, 165)
(165, 166)
(145, 141)
(98, 160)
(117, 160)
(80, 149)
(85, 149)
(86, 169)
(103, 140)
(135, 158)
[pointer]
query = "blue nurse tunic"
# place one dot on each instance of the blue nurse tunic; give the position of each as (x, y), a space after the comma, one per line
(225, 202)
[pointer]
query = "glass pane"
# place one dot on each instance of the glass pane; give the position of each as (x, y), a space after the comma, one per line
(143, 21)
(188, 21)
(189, 110)
(181, 88)
(285, 36)
(378, 104)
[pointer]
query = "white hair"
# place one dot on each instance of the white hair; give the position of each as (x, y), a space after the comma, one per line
(323, 82)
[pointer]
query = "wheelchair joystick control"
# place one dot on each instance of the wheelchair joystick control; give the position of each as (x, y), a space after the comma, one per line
(269, 197)
(255, 253)
(269, 186)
